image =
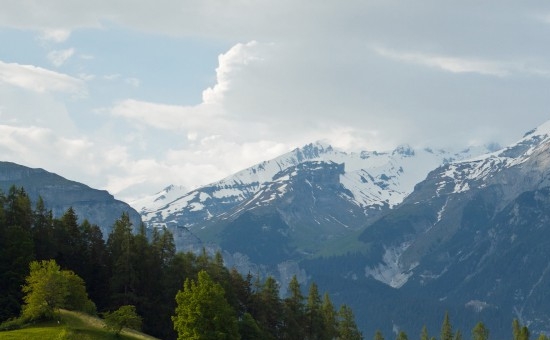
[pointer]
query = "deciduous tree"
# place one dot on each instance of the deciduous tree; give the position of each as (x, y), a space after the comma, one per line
(203, 313)
(124, 317)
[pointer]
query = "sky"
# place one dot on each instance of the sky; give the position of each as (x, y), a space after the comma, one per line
(131, 96)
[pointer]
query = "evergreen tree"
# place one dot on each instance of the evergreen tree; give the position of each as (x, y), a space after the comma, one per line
(446, 328)
(458, 335)
(203, 313)
(378, 335)
(18, 211)
(519, 332)
(524, 333)
(424, 333)
(480, 332)
(294, 315)
(95, 271)
(347, 328)
(402, 336)
(16, 251)
(42, 232)
(330, 330)
(123, 277)
(268, 308)
(249, 329)
(516, 329)
(314, 318)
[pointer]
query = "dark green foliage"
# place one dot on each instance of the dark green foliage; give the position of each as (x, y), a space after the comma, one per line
(294, 313)
(330, 322)
(402, 336)
(16, 250)
(446, 328)
(143, 271)
(347, 328)
(424, 333)
(314, 316)
(378, 335)
(480, 332)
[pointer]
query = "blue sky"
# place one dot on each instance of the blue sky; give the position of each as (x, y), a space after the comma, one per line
(131, 96)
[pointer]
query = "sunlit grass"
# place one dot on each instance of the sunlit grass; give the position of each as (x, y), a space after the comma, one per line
(72, 325)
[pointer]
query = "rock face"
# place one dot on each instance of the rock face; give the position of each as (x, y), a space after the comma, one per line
(98, 206)
(349, 190)
(474, 237)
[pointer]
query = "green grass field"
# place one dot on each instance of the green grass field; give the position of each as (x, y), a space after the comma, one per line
(73, 325)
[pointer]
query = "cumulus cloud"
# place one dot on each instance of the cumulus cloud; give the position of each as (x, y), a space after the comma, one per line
(39, 79)
(291, 73)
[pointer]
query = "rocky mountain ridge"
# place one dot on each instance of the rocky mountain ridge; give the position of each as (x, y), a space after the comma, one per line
(374, 180)
(473, 236)
(58, 193)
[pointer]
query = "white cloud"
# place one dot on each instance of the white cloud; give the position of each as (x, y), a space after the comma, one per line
(208, 115)
(309, 72)
(134, 82)
(448, 63)
(40, 80)
(58, 58)
(55, 35)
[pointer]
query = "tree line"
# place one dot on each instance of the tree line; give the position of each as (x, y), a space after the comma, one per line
(142, 269)
(136, 272)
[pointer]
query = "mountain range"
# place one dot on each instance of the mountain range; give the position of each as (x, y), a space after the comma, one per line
(401, 236)
(313, 190)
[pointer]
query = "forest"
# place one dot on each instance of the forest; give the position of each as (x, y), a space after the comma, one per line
(171, 295)
(140, 269)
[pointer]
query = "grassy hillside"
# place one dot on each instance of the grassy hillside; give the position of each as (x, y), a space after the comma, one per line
(73, 325)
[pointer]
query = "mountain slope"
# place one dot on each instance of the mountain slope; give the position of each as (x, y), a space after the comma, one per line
(374, 181)
(474, 235)
(98, 206)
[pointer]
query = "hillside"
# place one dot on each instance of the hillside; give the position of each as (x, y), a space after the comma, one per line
(72, 325)
(98, 206)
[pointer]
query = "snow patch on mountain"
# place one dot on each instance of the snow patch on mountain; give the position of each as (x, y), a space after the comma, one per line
(389, 271)
(481, 168)
(374, 179)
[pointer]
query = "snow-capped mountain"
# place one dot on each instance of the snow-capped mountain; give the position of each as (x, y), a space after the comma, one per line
(373, 179)
(474, 236)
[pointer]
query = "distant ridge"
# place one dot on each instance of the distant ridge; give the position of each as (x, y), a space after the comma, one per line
(98, 206)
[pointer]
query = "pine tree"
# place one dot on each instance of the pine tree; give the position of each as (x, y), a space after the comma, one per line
(458, 335)
(120, 247)
(424, 333)
(314, 318)
(378, 335)
(330, 330)
(347, 328)
(480, 332)
(402, 336)
(294, 315)
(446, 328)
(516, 329)
(269, 308)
